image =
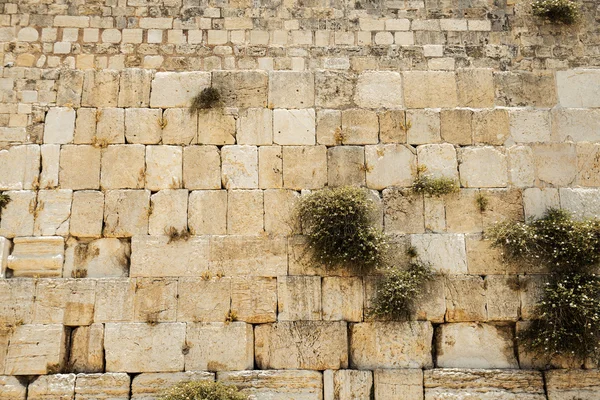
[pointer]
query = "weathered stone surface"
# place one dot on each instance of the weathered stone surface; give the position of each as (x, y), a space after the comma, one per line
(164, 167)
(391, 345)
(123, 167)
(536, 201)
(439, 159)
(255, 127)
(52, 387)
(531, 290)
(216, 127)
(524, 89)
(392, 126)
(302, 345)
(342, 298)
(359, 126)
(114, 300)
(334, 89)
(19, 167)
(207, 212)
(475, 87)
(4, 252)
(150, 386)
(110, 128)
(578, 125)
(16, 302)
(581, 202)
(445, 253)
(547, 156)
(201, 167)
(66, 301)
(87, 212)
(491, 127)
(441, 384)
(87, 349)
(70, 84)
(100, 88)
(482, 167)
(389, 165)
(291, 89)
(248, 255)
(423, 126)
(588, 164)
(346, 166)
(502, 294)
(12, 388)
(79, 167)
(424, 89)
(134, 88)
(177, 89)
(143, 125)
(179, 127)
(219, 346)
(270, 167)
(529, 126)
(52, 213)
(521, 172)
(18, 215)
(126, 213)
(475, 345)
(276, 385)
(294, 127)
(240, 167)
(398, 384)
(347, 384)
(304, 167)
(50, 161)
(465, 298)
(245, 212)
(572, 384)
(215, 304)
(155, 300)
(169, 211)
(37, 256)
(579, 88)
(85, 125)
(109, 386)
(59, 125)
(462, 212)
(403, 211)
(379, 89)
(456, 126)
(143, 347)
(254, 299)
(241, 88)
(503, 205)
(36, 350)
(279, 211)
(299, 298)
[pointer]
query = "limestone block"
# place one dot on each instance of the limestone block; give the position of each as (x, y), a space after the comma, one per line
(529, 126)
(241, 88)
(59, 125)
(329, 127)
(177, 89)
(219, 346)
(109, 386)
(423, 89)
(434, 214)
(143, 125)
(294, 127)
(52, 212)
(379, 89)
(579, 88)
(215, 127)
(531, 291)
(304, 167)
(36, 350)
(50, 154)
(155, 300)
(150, 386)
(4, 252)
(524, 89)
(37, 256)
(99, 258)
(536, 201)
(346, 166)
(66, 301)
(359, 126)
(141, 347)
(502, 293)
(317, 345)
(482, 167)
(179, 127)
(465, 298)
(208, 212)
(491, 127)
(134, 90)
(572, 384)
(521, 171)
(334, 89)
(255, 126)
(449, 383)
(110, 127)
(276, 385)
(547, 156)
(398, 384)
(215, 304)
(392, 126)
(12, 388)
(403, 211)
(240, 167)
(270, 167)
(291, 89)
(475, 87)
(578, 125)
(5, 333)
(299, 298)
(123, 167)
(79, 167)
(100, 88)
(389, 165)
(126, 213)
(85, 125)
(456, 126)
(581, 202)
(588, 164)
(483, 259)
(279, 211)
(164, 167)
(347, 384)
(391, 345)
(423, 126)
(16, 304)
(475, 345)
(462, 212)
(70, 84)
(19, 167)
(52, 387)
(169, 210)
(114, 300)
(245, 213)
(439, 159)
(248, 255)
(87, 349)
(87, 211)
(18, 215)
(254, 299)
(503, 205)
(342, 298)
(201, 167)
(444, 252)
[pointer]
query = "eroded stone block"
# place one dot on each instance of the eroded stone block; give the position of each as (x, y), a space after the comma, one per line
(276, 385)
(379, 89)
(108, 257)
(207, 212)
(179, 126)
(359, 126)
(347, 384)
(255, 127)
(389, 165)
(87, 349)
(304, 167)
(36, 350)
(403, 211)
(177, 89)
(114, 300)
(79, 167)
(398, 384)
(444, 252)
(579, 88)
(299, 298)
(37, 256)
(215, 304)
(291, 89)
(53, 211)
(108, 386)
(240, 167)
(143, 125)
(294, 127)
(126, 213)
(248, 255)
(482, 167)
(424, 89)
(52, 387)
(346, 166)
(155, 300)
(59, 125)
(150, 386)
(465, 298)
(342, 298)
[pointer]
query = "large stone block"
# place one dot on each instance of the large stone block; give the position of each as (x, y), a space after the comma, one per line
(442, 384)
(126, 213)
(483, 259)
(110, 128)
(240, 167)
(59, 125)
(462, 212)
(342, 298)
(201, 167)
(456, 126)
(299, 298)
(207, 212)
(588, 164)
(347, 384)
(179, 127)
(359, 126)
(109, 386)
(581, 202)
(155, 300)
(144, 348)
(52, 387)
(572, 384)
(79, 167)
(248, 255)
(134, 88)
(52, 213)
(317, 345)
(536, 201)
(219, 346)
(279, 211)
(241, 88)
(475, 87)
(70, 84)
(114, 300)
(389, 165)
(503, 205)
(439, 160)
(444, 252)
(423, 89)
(502, 294)
(392, 126)
(398, 384)
(169, 211)
(18, 215)
(254, 299)
(85, 125)
(4, 252)
(19, 167)
(215, 304)
(255, 127)
(521, 171)
(576, 125)
(531, 291)
(423, 126)
(291, 89)
(123, 167)
(403, 211)
(177, 89)
(50, 154)
(154, 256)
(491, 127)
(579, 88)
(151, 386)
(87, 349)
(143, 125)
(36, 350)
(304, 167)
(270, 167)
(16, 302)
(100, 88)
(245, 212)
(525, 89)
(216, 127)
(346, 166)
(391, 345)
(164, 167)
(547, 156)
(66, 301)
(37, 256)
(529, 126)
(276, 385)
(465, 298)
(475, 345)
(87, 212)
(334, 89)
(483, 167)
(379, 89)
(12, 388)
(294, 127)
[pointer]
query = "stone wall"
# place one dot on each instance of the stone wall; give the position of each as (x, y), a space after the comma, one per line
(101, 159)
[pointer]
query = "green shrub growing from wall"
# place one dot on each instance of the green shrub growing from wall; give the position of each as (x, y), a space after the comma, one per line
(207, 98)
(203, 390)
(557, 11)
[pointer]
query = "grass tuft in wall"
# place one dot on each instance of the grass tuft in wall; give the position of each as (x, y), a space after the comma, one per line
(203, 390)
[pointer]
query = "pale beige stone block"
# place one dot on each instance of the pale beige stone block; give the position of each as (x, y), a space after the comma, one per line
(215, 127)
(248, 255)
(154, 256)
(255, 127)
(134, 90)
(149, 386)
(108, 386)
(79, 167)
(207, 212)
(70, 83)
(107, 257)
(177, 89)
(52, 387)
(270, 167)
(59, 125)
(219, 346)
(588, 164)
(294, 127)
(123, 167)
(291, 89)
(579, 88)
(254, 299)
(87, 349)
(4, 252)
(389, 165)
(392, 126)
(456, 126)
(391, 345)
(342, 298)
(243, 89)
(502, 293)
(403, 211)
(19, 167)
(143, 125)
(37, 256)
(201, 167)
(360, 127)
(215, 304)
(126, 213)
(347, 384)
(424, 89)
(18, 215)
(346, 166)
(465, 298)
(379, 89)
(583, 203)
(475, 87)
(85, 125)
(530, 126)
(577, 125)
(329, 127)
(525, 89)
(169, 210)
(439, 160)
(245, 213)
(70, 302)
(282, 345)
(276, 385)
(304, 167)
(279, 211)
(239, 167)
(179, 126)
(483, 167)
(444, 252)
(398, 384)
(572, 384)
(463, 214)
(36, 350)
(50, 154)
(164, 167)
(100, 88)
(547, 156)
(52, 213)
(521, 171)
(87, 213)
(491, 127)
(16, 305)
(334, 89)
(423, 126)
(155, 300)
(536, 201)
(299, 298)
(475, 345)
(114, 300)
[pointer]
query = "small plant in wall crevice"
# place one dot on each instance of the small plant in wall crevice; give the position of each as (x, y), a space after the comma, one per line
(556, 11)
(202, 390)
(433, 186)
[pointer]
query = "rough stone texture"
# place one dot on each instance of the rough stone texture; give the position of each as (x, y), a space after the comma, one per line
(12, 388)
(16, 302)
(398, 384)
(134, 88)
(465, 298)
(423, 126)
(291, 89)
(247, 255)
(36, 350)
(79, 167)
(18, 216)
(201, 167)
(114, 300)
(242, 88)
(294, 127)
(169, 211)
(572, 384)
(475, 87)
(179, 126)
(525, 89)
(177, 89)
(245, 212)
(126, 213)
(19, 167)
(424, 89)
(392, 126)
(529, 126)
(346, 166)
(439, 159)
(123, 167)
(150, 386)
(347, 384)
(52, 212)
(482, 167)
(491, 127)
(403, 211)
(66, 301)
(87, 212)
(547, 155)
(52, 387)
(445, 253)
(359, 127)
(299, 298)
(377, 89)
(37, 256)
(215, 304)
(391, 345)
(582, 203)
(276, 385)
(143, 125)
(87, 349)
(317, 345)
(342, 298)
(155, 300)
(240, 167)
(578, 88)
(254, 299)
(216, 127)
(255, 127)
(279, 211)
(389, 165)
(304, 167)
(164, 167)
(100, 88)
(109, 386)
(207, 212)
